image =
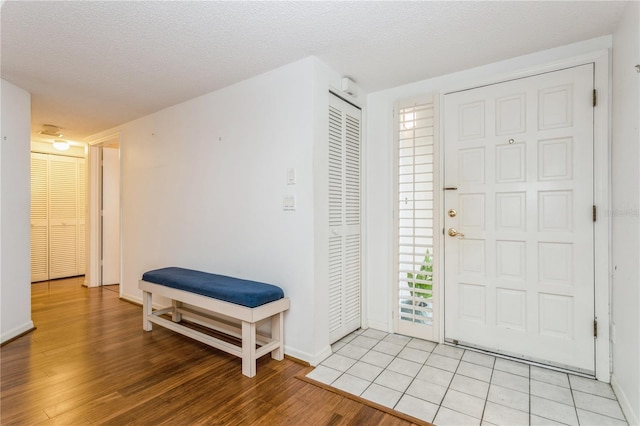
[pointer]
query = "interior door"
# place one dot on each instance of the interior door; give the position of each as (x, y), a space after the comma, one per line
(39, 217)
(63, 217)
(110, 216)
(344, 218)
(518, 209)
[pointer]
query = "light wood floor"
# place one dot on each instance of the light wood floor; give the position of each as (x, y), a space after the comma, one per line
(89, 362)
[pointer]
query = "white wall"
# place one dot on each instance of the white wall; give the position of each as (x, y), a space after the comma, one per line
(202, 188)
(625, 213)
(15, 257)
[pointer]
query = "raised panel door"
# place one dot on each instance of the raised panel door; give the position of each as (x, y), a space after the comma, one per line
(519, 275)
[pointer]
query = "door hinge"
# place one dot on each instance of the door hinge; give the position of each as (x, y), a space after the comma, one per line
(595, 328)
(595, 97)
(595, 213)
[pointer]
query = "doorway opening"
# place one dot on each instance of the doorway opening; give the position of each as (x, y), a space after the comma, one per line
(104, 233)
(58, 211)
(110, 215)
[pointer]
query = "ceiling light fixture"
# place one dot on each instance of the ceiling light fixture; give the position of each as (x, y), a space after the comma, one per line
(61, 145)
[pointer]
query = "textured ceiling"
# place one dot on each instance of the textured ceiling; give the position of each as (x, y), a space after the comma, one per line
(91, 65)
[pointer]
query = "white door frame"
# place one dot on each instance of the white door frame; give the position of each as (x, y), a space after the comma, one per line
(94, 196)
(601, 60)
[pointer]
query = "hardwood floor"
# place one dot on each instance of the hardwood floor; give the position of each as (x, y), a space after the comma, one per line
(89, 362)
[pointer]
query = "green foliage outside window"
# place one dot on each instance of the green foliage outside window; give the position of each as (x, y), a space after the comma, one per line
(425, 274)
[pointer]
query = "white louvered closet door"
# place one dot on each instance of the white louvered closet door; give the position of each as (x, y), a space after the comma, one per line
(82, 215)
(58, 211)
(39, 217)
(63, 217)
(344, 218)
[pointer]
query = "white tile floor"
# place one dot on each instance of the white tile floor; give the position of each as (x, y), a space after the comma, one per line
(446, 385)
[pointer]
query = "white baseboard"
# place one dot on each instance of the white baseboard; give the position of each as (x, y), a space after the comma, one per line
(632, 418)
(312, 359)
(8, 335)
(382, 326)
(133, 299)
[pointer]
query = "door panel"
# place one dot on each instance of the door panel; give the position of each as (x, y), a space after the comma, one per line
(519, 275)
(344, 243)
(58, 204)
(39, 217)
(63, 217)
(110, 216)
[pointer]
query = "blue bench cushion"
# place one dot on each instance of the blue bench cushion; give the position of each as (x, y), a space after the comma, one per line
(232, 290)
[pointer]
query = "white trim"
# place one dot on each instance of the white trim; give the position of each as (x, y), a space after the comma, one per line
(574, 61)
(17, 331)
(438, 202)
(602, 198)
(602, 189)
(364, 293)
(112, 137)
(92, 269)
(93, 277)
(312, 359)
(632, 419)
(395, 317)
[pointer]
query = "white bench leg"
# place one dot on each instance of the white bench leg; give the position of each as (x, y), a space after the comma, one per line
(175, 315)
(248, 349)
(147, 309)
(277, 334)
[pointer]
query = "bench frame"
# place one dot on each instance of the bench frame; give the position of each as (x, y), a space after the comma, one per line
(214, 309)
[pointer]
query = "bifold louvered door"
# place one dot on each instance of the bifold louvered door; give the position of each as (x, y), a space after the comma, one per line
(58, 199)
(344, 218)
(82, 213)
(39, 217)
(63, 217)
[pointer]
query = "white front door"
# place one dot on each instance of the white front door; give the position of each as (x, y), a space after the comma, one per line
(518, 178)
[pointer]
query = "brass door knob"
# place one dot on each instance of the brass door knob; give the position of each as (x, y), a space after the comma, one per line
(453, 233)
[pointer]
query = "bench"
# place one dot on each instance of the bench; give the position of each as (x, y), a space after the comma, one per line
(227, 305)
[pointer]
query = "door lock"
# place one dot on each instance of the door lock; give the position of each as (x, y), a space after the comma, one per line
(452, 213)
(453, 233)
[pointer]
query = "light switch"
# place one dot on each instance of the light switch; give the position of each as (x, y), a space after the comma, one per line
(289, 202)
(291, 176)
